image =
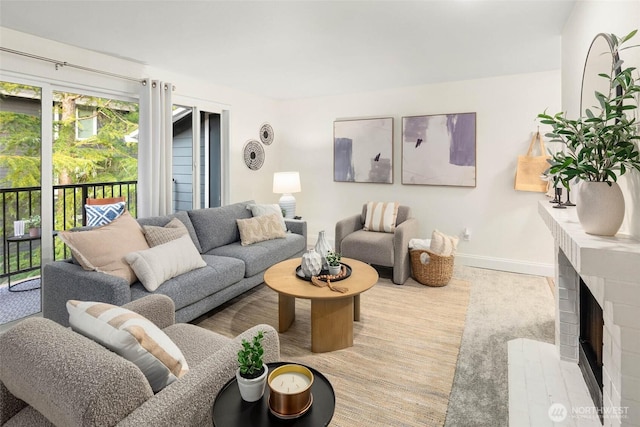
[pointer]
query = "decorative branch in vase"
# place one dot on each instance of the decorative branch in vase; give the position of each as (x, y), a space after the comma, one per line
(601, 146)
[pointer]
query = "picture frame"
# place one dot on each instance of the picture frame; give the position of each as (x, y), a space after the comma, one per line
(363, 150)
(439, 149)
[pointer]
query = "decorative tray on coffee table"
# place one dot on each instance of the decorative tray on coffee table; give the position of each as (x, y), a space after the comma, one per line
(300, 274)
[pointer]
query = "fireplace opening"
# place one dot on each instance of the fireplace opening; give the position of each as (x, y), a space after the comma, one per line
(591, 342)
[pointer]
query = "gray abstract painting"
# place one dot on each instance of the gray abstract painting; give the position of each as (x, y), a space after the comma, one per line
(363, 150)
(439, 150)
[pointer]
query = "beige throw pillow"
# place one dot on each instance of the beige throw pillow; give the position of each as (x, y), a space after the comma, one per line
(259, 229)
(160, 235)
(133, 337)
(157, 265)
(442, 244)
(381, 216)
(259, 210)
(103, 248)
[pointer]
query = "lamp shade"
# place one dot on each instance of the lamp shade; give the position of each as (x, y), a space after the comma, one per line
(286, 182)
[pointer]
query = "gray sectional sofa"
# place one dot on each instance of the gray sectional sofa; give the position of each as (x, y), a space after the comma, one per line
(231, 268)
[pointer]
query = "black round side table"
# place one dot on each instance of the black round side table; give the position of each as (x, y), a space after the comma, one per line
(229, 410)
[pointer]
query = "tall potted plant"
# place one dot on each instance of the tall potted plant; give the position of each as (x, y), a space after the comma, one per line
(252, 372)
(600, 147)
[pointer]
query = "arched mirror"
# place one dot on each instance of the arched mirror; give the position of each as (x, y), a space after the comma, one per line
(600, 60)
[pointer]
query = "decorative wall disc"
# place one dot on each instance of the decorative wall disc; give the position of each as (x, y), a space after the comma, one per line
(266, 134)
(253, 154)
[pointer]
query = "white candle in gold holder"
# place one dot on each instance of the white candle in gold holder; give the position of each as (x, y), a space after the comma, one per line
(291, 382)
(290, 390)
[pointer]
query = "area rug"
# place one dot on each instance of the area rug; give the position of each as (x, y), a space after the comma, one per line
(400, 369)
(16, 305)
(503, 306)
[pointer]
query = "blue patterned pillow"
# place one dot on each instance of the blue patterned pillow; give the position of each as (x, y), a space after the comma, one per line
(103, 214)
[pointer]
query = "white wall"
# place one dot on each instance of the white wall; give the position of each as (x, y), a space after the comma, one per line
(507, 232)
(587, 20)
(246, 111)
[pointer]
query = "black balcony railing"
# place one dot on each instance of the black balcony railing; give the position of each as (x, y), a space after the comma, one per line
(21, 256)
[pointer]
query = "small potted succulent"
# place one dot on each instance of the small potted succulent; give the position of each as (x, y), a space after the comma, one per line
(35, 223)
(333, 259)
(252, 372)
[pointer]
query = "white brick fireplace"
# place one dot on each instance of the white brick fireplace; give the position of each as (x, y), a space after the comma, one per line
(610, 267)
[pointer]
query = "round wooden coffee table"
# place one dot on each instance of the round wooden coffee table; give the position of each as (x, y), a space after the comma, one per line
(332, 313)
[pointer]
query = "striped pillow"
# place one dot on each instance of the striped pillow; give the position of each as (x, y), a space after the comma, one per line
(133, 337)
(381, 216)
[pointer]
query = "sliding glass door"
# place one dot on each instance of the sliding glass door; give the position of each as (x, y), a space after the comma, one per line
(211, 160)
(57, 148)
(197, 161)
(20, 195)
(94, 155)
(183, 158)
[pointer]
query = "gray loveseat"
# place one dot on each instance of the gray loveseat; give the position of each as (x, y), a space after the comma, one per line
(50, 375)
(231, 268)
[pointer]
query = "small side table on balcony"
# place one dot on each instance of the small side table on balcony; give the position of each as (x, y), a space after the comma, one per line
(17, 240)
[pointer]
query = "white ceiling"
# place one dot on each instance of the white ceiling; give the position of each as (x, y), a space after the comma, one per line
(293, 49)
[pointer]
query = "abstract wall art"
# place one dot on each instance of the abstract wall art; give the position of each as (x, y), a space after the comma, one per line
(363, 150)
(439, 150)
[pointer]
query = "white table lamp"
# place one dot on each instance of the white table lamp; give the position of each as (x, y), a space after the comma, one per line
(287, 183)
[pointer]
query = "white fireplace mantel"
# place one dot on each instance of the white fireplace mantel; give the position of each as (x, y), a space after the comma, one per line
(614, 258)
(610, 267)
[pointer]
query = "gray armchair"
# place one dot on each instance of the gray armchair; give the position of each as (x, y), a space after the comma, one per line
(383, 249)
(50, 375)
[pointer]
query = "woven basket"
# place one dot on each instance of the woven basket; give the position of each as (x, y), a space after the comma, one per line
(437, 272)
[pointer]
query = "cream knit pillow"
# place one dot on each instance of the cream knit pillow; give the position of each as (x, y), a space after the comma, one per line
(262, 209)
(160, 235)
(442, 244)
(259, 229)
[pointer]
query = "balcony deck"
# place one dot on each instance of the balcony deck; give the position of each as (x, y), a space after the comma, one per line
(21, 254)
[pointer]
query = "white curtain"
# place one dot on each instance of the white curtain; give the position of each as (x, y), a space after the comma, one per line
(155, 173)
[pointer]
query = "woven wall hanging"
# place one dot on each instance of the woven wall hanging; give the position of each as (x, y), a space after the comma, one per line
(253, 154)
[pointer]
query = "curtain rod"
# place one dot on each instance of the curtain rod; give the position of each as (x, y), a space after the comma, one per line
(59, 64)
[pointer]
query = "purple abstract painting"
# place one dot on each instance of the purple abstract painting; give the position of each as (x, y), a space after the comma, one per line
(363, 150)
(439, 150)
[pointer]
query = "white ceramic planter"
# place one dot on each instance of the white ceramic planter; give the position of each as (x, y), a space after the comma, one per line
(600, 207)
(253, 389)
(334, 270)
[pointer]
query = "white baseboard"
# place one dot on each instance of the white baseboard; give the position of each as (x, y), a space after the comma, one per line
(491, 263)
(503, 264)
